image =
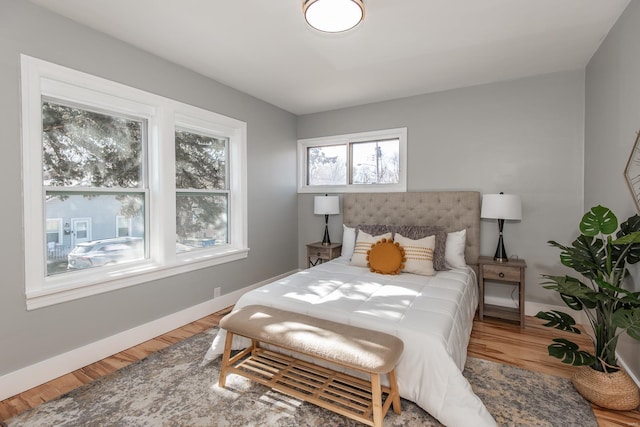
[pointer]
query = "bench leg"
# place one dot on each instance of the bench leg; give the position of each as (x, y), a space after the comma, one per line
(225, 360)
(393, 385)
(376, 395)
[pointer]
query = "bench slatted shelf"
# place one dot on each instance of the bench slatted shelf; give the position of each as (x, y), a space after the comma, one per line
(372, 352)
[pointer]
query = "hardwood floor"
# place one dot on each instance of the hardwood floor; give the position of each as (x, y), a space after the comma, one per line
(493, 340)
(64, 384)
(527, 348)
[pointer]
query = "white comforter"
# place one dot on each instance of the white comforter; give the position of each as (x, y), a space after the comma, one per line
(432, 315)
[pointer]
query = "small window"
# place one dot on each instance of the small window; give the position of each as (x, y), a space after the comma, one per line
(368, 161)
(54, 232)
(123, 226)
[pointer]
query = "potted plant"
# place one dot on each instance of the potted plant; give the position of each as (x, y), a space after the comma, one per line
(602, 259)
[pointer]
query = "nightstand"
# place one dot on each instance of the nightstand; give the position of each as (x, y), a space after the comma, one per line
(322, 253)
(506, 273)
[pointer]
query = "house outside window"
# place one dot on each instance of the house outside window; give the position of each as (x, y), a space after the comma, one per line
(360, 162)
(129, 186)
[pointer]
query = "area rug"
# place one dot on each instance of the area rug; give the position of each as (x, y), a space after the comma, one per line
(173, 387)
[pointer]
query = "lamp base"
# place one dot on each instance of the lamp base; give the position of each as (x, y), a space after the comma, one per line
(326, 241)
(501, 253)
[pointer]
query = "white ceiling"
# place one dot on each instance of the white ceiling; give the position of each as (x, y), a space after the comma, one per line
(403, 48)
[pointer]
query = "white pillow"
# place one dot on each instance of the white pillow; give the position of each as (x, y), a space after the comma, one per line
(363, 245)
(348, 241)
(454, 251)
(419, 254)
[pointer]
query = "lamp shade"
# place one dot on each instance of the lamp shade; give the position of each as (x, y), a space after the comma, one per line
(333, 16)
(326, 205)
(501, 206)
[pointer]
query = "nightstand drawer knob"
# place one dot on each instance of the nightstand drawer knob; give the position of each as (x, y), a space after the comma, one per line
(501, 275)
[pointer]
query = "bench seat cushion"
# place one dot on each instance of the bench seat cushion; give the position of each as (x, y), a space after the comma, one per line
(351, 346)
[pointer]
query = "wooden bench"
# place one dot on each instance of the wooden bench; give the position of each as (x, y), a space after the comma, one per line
(372, 352)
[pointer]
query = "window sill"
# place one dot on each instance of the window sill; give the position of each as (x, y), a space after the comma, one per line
(61, 289)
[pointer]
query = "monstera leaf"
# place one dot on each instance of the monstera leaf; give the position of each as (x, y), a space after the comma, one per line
(573, 292)
(631, 227)
(558, 320)
(586, 255)
(570, 353)
(598, 220)
(628, 319)
(615, 291)
(630, 300)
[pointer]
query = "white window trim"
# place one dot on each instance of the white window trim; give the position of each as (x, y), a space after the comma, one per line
(43, 78)
(303, 144)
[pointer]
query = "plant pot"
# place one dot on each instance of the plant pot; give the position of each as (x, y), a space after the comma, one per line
(614, 390)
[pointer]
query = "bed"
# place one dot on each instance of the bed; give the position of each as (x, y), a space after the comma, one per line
(433, 315)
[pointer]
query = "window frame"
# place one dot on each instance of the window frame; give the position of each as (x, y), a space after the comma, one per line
(348, 139)
(43, 79)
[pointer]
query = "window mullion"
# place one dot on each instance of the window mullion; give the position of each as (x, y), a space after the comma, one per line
(350, 163)
(162, 185)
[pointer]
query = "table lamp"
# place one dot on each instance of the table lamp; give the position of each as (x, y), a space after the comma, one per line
(326, 205)
(501, 207)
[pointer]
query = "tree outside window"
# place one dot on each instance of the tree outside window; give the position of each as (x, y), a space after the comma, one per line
(201, 190)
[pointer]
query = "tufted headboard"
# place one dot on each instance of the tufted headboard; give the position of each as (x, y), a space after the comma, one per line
(453, 210)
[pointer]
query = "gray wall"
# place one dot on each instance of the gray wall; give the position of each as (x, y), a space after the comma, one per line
(523, 137)
(28, 337)
(612, 120)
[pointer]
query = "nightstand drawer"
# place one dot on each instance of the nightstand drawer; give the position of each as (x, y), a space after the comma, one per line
(501, 272)
(320, 252)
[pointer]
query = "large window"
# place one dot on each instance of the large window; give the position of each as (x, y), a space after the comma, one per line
(368, 161)
(122, 186)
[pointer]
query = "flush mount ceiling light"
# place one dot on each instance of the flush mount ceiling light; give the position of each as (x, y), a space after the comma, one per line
(333, 16)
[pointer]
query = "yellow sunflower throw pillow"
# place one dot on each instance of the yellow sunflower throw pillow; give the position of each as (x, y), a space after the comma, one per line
(386, 257)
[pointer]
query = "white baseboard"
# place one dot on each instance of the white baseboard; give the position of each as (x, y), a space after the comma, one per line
(39, 373)
(632, 374)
